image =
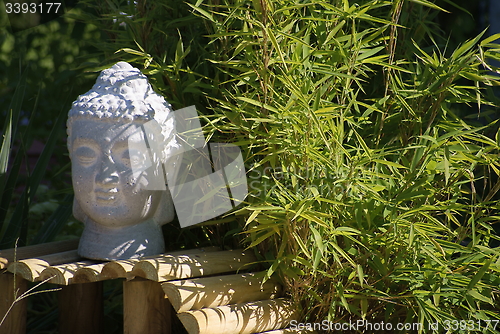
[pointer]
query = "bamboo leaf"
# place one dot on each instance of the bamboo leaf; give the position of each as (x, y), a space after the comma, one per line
(203, 12)
(5, 151)
(480, 273)
(389, 163)
(429, 4)
(467, 46)
(257, 103)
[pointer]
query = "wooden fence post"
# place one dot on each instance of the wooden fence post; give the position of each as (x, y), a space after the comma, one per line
(10, 288)
(81, 308)
(145, 308)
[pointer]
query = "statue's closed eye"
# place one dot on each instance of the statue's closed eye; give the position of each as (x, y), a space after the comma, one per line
(86, 155)
(134, 159)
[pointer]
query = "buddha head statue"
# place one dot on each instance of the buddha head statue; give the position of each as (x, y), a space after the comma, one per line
(122, 207)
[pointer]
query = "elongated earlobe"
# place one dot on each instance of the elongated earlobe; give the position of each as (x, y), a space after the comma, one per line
(78, 212)
(165, 212)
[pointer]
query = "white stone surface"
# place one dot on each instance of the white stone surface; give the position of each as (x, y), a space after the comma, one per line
(122, 215)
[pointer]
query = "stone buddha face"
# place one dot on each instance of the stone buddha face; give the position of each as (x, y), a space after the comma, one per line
(104, 182)
(120, 203)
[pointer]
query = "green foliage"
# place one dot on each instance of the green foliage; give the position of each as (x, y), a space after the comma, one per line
(149, 35)
(37, 85)
(173, 53)
(381, 197)
(371, 145)
(18, 223)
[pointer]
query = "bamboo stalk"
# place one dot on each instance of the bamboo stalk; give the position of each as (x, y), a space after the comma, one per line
(260, 316)
(167, 267)
(123, 268)
(216, 291)
(30, 269)
(21, 253)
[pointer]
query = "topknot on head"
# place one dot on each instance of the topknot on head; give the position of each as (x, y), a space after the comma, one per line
(121, 91)
(122, 66)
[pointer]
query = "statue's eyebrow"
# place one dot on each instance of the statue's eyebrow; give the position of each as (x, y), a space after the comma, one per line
(120, 145)
(84, 142)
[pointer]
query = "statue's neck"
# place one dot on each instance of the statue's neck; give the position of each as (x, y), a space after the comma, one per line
(115, 243)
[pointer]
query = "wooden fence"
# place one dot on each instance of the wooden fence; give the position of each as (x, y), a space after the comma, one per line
(210, 290)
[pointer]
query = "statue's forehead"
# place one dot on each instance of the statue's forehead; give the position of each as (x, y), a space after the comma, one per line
(103, 132)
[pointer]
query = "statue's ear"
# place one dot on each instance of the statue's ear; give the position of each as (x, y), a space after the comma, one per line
(78, 212)
(165, 212)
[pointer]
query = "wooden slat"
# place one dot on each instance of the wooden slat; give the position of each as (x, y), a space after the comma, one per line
(63, 274)
(145, 308)
(30, 269)
(237, 303)
(81, 308)
(12, 287)
(169, 267)
(195, 294)
(260, 316)
(117, 269)
(21, 253)
(88, 274)
(123, 268)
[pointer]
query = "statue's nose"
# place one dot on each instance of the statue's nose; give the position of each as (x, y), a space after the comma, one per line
(107, 173)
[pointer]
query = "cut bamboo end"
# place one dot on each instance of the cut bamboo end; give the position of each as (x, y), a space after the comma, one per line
(117, 269)
(15, 254)
(217, 291)
(30, 269)
(168, 267)
(246, 318)
(63, 274)
(88, 274)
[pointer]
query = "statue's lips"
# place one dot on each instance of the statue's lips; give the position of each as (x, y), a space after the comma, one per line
(106, 196)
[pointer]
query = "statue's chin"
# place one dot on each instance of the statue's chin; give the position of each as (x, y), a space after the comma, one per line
(102, 242)
(118, 216)
(117, 221)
